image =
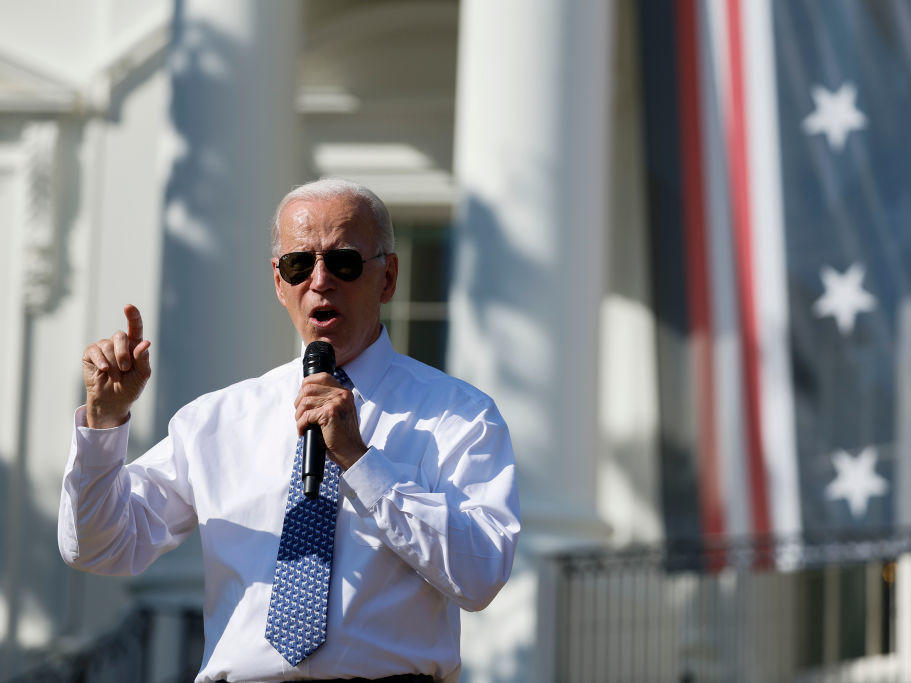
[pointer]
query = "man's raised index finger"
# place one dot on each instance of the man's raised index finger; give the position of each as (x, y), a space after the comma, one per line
(134, 323)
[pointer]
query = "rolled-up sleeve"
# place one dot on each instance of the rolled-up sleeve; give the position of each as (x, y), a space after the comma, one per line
(457, 528)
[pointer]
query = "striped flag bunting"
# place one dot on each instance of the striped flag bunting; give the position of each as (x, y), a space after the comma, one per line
(779, 204)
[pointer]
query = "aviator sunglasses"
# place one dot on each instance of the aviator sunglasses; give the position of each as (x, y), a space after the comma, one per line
(345, 264)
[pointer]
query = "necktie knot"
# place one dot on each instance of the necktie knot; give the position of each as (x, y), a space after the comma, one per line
(342, 378)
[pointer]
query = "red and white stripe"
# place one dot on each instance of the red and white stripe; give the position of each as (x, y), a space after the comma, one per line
(766, 208)
(737, 297)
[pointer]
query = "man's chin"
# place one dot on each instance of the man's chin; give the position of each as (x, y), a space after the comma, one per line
(342, 343)
(324, 337)
(332, 337)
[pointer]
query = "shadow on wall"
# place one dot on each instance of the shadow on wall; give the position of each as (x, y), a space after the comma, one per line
(215, 271)
(35, 599)
(40, 598)
(499, 280)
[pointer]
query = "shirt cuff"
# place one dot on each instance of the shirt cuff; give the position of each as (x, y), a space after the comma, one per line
(367, 480)
(100, 447)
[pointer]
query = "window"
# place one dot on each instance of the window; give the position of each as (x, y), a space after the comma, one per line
(417, 317)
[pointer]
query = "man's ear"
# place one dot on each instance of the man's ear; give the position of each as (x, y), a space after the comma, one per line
(279, 292)
(389, 277)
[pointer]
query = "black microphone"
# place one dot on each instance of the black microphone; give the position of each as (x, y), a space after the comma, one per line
(319, 356)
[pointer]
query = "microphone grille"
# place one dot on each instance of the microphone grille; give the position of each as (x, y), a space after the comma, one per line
(319, 356)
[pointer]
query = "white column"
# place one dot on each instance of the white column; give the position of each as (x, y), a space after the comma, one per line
(531, 154)
(234, 72)
(234, 152)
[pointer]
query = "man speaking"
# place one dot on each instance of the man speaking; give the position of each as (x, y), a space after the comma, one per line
(416, 515)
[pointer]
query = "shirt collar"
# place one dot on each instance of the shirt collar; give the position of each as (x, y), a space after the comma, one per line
(367, 369)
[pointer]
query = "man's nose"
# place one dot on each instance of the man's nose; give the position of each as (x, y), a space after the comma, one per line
(320, 278)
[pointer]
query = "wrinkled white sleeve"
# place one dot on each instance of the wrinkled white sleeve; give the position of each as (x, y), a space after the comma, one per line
(459, 533)
(116, 518)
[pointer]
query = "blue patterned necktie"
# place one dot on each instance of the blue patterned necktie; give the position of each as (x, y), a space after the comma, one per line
(296, 624)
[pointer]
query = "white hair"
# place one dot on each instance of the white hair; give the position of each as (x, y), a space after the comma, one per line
(330, 188)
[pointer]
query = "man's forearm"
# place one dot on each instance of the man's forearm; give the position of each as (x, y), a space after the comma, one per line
(102, 527)
(465, 551)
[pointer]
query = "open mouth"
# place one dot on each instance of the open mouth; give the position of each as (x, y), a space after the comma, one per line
(324, 314)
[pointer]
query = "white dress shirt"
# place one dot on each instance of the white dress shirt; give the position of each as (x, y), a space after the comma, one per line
(427, 523)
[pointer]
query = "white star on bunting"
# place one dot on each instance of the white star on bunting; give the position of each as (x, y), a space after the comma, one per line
(856, 480)
(844, 297)
(835, 115)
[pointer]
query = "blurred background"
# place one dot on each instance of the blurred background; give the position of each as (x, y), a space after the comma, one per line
(670, 238)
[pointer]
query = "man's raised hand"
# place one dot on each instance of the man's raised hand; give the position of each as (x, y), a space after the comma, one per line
(115, 370)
